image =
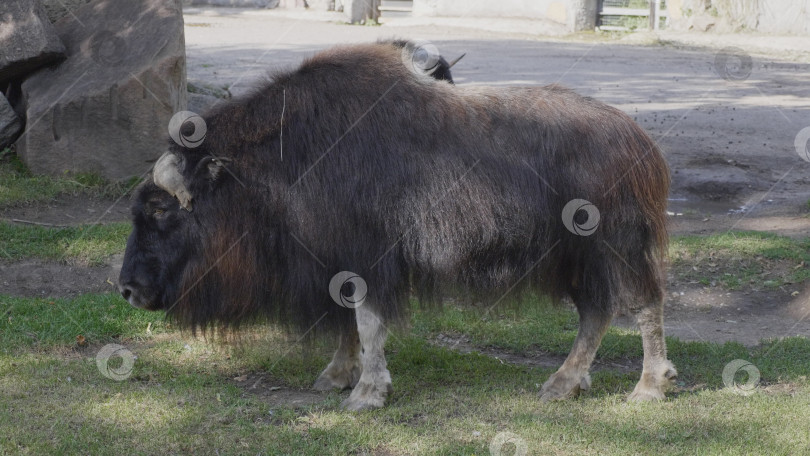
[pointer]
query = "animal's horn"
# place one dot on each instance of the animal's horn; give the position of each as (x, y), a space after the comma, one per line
(457, 59)
(167, 176)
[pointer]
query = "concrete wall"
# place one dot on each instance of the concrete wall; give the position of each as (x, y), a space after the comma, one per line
(574, 14)
(767, 16)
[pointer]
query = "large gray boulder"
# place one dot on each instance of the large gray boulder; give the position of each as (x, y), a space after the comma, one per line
(10, 124)
(57, 9)
(28, 41)
(106, 109)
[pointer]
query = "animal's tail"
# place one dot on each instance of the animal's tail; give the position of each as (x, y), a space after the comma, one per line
(648, 182)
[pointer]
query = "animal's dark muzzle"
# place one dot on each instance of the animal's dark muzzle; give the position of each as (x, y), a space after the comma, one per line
(126, 292)
(136, 297)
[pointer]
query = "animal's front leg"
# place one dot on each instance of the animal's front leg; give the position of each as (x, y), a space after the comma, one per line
(375, 381)
(344, 370)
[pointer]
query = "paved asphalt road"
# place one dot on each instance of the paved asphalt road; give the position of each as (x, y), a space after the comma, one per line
(729, 140)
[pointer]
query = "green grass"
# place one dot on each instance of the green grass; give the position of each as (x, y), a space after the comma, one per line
(19, 187)
(537, 326)
(85, 244)
(181, 399)
(51, 322)
(741, 259)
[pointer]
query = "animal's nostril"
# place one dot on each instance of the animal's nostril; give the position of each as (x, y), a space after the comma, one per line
(126, 292)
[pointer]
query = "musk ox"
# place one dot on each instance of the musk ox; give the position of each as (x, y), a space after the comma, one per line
(355, 175)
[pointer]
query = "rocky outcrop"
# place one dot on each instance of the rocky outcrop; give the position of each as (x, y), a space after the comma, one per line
(106, 109)
(10, 124)
(28, 41)
(58, 9)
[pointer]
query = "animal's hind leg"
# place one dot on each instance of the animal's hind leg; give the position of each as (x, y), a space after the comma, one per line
(658, 372)
(573, 375)
(344, 370)
(375, 381)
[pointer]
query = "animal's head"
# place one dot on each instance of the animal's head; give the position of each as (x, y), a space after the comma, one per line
(168, 236)
(187, 249)
(157, 249)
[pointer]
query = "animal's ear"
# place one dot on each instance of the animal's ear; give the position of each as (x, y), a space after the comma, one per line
(211, 167)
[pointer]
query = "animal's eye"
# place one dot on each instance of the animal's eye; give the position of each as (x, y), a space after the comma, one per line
(158, 212)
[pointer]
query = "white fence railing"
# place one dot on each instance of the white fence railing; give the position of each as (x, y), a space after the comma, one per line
(630, 15)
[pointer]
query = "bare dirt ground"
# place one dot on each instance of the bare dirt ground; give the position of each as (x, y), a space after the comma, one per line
(274, 394)
(44, 279)
(70, 210)
(728, 131)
